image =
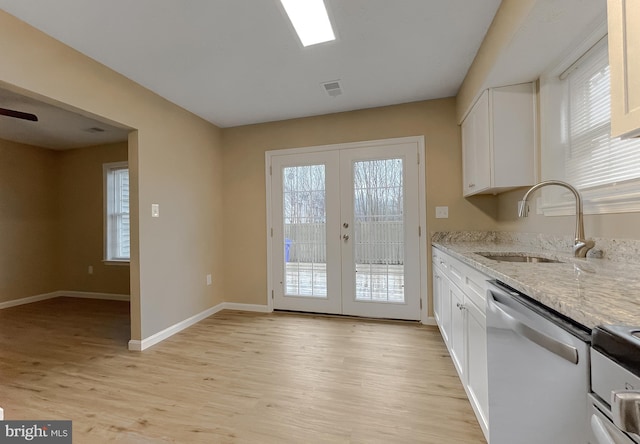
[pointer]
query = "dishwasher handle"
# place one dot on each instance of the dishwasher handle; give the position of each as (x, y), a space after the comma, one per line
(556, 347)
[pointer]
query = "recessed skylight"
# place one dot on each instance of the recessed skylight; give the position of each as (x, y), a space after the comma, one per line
(310, 20)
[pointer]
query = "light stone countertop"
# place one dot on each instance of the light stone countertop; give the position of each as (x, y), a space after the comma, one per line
(590, 291)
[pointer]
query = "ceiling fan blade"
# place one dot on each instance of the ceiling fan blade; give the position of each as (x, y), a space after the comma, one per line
(18, 114)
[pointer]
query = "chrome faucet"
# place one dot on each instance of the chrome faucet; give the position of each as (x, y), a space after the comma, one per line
(581, 245)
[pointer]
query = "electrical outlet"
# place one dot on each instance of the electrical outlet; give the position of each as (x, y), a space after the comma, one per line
(155, 210)
(90, 269)
(209, 279)
(442, 212)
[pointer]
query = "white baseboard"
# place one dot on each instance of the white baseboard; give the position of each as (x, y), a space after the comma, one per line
(71, 294)
(29, 300)
(429, 321)
(136, 345)
(246, 307)
(94, 295)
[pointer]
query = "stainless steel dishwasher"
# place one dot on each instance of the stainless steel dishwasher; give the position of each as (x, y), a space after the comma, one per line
(538, 371)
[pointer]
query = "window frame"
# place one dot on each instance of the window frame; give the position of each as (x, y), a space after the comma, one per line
(108, 209)
(620, 197)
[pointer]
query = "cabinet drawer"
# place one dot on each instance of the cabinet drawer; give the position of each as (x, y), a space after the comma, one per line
(472, 282)
(476, 287)
(457, 272)
(439, 259)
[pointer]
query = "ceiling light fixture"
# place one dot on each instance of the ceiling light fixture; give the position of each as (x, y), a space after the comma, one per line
(310, 20)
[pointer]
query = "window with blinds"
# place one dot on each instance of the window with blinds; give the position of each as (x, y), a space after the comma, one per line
(576, 143)
(593, 158)
(117, 237)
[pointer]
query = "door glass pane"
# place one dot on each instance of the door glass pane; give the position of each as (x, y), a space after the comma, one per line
(304, 218)
(379, 230)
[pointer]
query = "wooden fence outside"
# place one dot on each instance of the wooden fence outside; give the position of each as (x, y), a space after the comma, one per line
(375, 242)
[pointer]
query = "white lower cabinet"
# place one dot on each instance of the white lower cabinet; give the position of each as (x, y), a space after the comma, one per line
(476, 359)
(457, 347)
(459, 304)
(442, 310)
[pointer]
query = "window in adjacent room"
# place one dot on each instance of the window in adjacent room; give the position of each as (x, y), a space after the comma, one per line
(116, 195)
(576, 142)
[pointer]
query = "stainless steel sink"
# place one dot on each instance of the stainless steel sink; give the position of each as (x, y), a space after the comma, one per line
(518, 257)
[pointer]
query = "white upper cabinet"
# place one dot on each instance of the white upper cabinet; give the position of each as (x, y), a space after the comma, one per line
(499, 141)
(475, 148)
(624, 61)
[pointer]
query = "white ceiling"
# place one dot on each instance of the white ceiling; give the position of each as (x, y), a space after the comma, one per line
(551, 32)
(236, 62)
(56, 128)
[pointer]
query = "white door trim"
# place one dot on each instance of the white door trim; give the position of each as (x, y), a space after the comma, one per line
(422, 194)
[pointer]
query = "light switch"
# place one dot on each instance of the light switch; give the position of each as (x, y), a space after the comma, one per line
(442, 212)
(155, 210)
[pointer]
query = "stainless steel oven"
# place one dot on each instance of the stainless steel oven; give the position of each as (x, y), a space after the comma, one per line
(614, 404)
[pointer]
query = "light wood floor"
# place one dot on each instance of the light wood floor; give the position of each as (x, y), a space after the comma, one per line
(234, 377)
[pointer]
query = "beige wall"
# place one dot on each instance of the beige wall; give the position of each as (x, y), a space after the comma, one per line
(175, 160)
(245, 266)
(618, 226)
(51, 221)
(508, 19)
(80, 221)
(28, 221)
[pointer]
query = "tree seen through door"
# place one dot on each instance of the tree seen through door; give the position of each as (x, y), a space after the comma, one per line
(378, 230)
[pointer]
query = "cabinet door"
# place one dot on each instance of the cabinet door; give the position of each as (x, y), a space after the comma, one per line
(624, 60)
(457, 330)
(476, 153)
(437, 295)
(476, 360)
(483, 161)
(442, 296)
(468, 154)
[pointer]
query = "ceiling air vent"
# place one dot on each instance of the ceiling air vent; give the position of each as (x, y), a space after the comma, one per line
(332, 88)
(94, 129)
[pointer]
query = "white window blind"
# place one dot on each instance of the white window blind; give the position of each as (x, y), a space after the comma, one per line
(593, 158)
(576, 145)
(117, 237)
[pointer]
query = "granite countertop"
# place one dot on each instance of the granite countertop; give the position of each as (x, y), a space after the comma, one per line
(592, 291)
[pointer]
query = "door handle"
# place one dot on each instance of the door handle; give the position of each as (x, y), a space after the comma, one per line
(561, 349)
(345, 237)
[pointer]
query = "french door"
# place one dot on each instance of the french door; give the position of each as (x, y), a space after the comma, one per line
(345, 231)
